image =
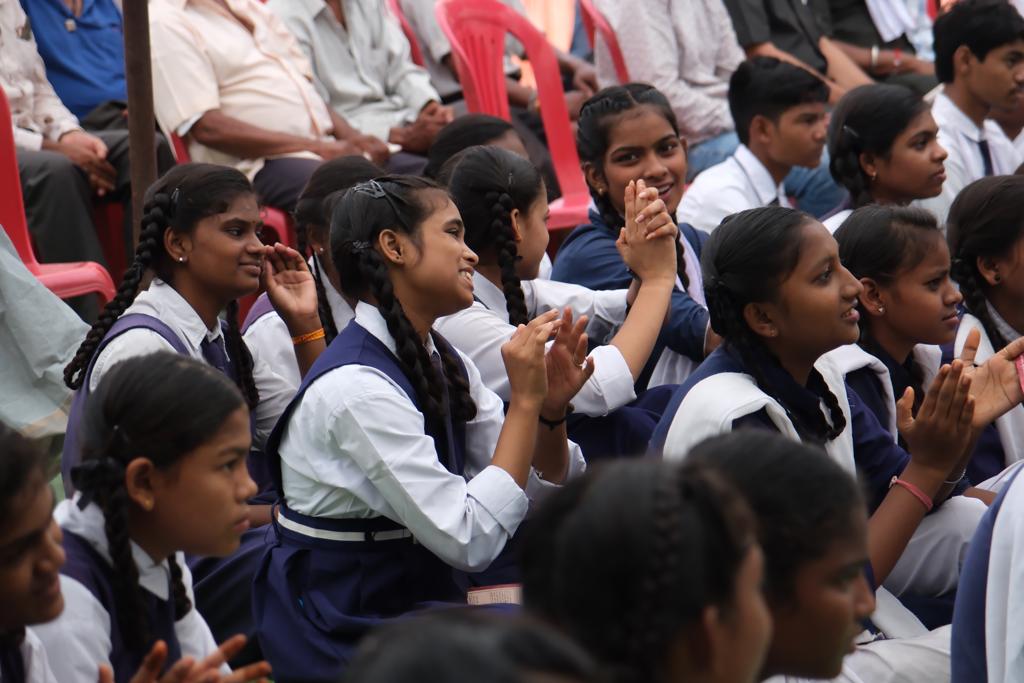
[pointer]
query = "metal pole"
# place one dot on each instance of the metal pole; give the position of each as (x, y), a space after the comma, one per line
(141, 122)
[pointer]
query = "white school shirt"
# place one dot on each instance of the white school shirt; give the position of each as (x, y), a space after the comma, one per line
(355, 447)
(37, 667)
(960, 137)
(163, 302)
(480, 330)
(740, 182)
(270, 342)
(78, 641)
(837, 219)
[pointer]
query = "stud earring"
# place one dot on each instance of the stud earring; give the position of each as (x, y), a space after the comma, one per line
(181, 259)
(773, 332)
(881, 310)
(997, 277)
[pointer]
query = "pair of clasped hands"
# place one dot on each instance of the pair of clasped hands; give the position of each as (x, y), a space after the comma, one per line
(553, 374)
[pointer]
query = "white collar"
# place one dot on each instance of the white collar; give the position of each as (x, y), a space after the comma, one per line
(946, 111)
(370, 319)
(340, 310)
(1004, 328)
(760, 179)
(168, 305)
(490, 296)
(89, 524)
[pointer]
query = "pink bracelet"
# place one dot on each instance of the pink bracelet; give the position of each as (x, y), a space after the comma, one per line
(1020, 371)
(914, 491)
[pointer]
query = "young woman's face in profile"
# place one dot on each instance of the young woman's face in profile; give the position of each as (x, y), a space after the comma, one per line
(748, 628)
(914, 168)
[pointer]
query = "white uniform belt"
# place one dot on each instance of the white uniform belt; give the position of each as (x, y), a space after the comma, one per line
(345, 536)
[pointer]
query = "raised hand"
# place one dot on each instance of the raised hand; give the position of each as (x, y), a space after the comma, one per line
(187, 670)
(568, 366)
(524, 359)
(942, 430)
(647, 246)
(290, 287)
(995, 384)
(227, 650)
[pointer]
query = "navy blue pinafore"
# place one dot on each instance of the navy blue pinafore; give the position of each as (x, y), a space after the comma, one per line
(324, 582)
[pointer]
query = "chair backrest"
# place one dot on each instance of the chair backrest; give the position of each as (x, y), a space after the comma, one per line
(476, 30)
(592, 19)
(12, 206)
(414, 42)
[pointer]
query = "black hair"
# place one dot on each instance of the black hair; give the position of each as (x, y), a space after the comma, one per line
(883, 242)
(593, 135)
(793, 530)
(464, 132)
(985, 221)
(867, 120)
(313, 216)
(139, 411)
(627, 556)
(981, 25)
(748, 256)
(180, 199)
(399, 203)
(468, 646)
(21, 464)
(768, 87)
(486, 184)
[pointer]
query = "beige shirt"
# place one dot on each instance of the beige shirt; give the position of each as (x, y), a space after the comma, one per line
(243, 62)
(37, 113)
(687, 49)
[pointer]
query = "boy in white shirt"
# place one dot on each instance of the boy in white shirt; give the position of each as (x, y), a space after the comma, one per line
(779, 112)
(979, 57)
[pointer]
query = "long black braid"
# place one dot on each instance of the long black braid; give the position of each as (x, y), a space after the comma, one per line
(398, 203)
(138, 411)
(313, 216)
(984, 223)
(487, 184)
(239, 352)
(745, 260)
(593, 134)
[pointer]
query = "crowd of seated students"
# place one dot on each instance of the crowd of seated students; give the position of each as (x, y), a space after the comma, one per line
(796, 292)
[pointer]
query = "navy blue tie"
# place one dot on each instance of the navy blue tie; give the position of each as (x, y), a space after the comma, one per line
(986, 156)
(12, 664)
(215, 355)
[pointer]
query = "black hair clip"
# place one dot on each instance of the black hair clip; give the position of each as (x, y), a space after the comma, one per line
(852, 133)
(94, 475)
(509, 188)
(357, 246)
(371, 188)
(173, 208)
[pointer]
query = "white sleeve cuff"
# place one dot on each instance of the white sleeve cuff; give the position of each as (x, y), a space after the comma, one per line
(610, 387)
(499, 494)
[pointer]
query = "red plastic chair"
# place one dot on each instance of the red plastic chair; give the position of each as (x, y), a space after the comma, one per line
(476, 30)
(592, 19)
(414, 42)
(66, 280)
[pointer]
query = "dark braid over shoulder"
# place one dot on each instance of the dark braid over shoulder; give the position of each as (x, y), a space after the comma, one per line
(508, 256)
(966, 275)
(131, 609)
(323, 308)
(242, 357)
(154, 222)
(462, 405)
(182, 605)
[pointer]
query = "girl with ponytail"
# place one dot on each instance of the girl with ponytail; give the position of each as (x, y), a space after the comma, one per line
(264, 330)
(883, 148)
(503, 202)
(782, 300)
(200, 244)
(626, 134)
(395, 465)
(986, 242)
(160, 476)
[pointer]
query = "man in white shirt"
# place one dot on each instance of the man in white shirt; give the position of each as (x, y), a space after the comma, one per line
(362, 68)
(979, 57)
(688, 49)
(779, 113)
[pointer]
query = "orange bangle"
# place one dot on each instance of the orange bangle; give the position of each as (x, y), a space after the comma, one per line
(312, 336)
(914, 491)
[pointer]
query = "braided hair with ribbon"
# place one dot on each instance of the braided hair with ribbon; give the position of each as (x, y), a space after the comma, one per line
(159, 407)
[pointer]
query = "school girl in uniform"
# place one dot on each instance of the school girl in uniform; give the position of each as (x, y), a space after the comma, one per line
(883, 146)
(987, 624)
(782, 300)
(396, 464)
(200, 242)
(160, 476)
(658, 576)
(264, 330)
(30, 560)
(625, 134)
(815, 549)
(502, 200)
(908, 306)
(986, 242)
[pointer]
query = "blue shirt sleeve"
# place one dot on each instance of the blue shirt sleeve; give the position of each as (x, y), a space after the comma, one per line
(593, 261)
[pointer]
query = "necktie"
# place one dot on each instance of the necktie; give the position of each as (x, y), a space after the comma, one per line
(215, 355)
(986, 156)
(12, 664)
